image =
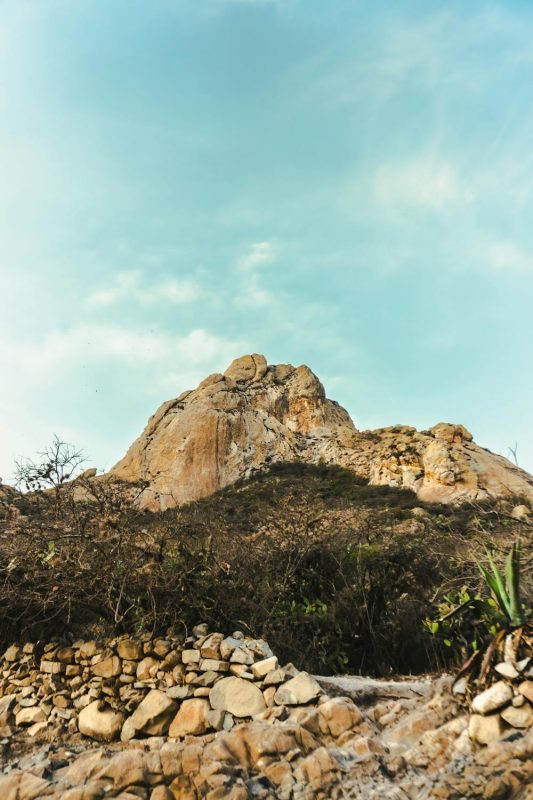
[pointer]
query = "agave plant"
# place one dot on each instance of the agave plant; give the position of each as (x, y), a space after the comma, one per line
(514, 639)
(506, 588)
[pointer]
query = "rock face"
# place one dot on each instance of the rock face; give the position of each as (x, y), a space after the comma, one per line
(234, 425)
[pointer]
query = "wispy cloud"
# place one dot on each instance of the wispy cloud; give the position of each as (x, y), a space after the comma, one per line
(508, 256)
(132, 286)
(249, 267)
(424, 182)
(112, 343)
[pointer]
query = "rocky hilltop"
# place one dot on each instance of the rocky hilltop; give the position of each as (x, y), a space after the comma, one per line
(255, 414)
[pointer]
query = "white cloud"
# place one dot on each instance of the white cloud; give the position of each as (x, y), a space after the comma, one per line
(105, 343)
(260, 253)
(507, 256)
(425, 182)
(251, 291)
(131, 286)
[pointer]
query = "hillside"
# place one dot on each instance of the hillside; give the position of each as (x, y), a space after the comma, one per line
(337, 574)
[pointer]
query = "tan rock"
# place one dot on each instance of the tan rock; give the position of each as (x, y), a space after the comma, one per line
(101, 723)
(526, 689)
(191, 718)
(255, 415)
(261, 668)
(297, 691)
(521, 717)
(147, 668)
(153, 715)
(493, 698)
(485, 729)
(240, 697)
(338, 715)
(108, 667)
(130, 650)
(29, 716)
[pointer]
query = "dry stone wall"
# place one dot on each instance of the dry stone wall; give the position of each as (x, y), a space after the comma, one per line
(126, 688)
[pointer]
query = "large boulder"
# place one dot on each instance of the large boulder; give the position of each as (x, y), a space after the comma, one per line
(100, 722)
(238, 696)
(255, 414)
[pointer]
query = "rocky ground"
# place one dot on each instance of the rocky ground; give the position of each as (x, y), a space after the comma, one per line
(217, 717)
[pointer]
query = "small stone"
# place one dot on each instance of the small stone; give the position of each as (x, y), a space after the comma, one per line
(523, 664)
(275, 677)
(211, 646)
(191, 656)
(99, 723)
(153, 714)
(298, 691)
(130, 650)
(213, 664)
(240, 697)
(200, 630)
(147, 668)
(506, 670)
(108, 667)
(13, 653)
(521, 717)
(242, 656)
(191, 718)
(520, 512)
(262, 668)
(485, 729)
(29, 716)
(52, 667)
(178, 692)
(526, 689)
(497, 696)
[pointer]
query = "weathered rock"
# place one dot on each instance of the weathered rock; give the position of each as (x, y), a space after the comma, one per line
(153, 715)
(254, 415)
(29, 716)
(261, 668)
(99, 722)
(526, 689)
(521, 717)
(108, 667)
(299, 690)
(240, 697)
(192, 718)
(485, 729)
(521, 512)
(497, 696)
(130, 650)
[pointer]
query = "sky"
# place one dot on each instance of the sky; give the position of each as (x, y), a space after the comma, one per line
(345, 184)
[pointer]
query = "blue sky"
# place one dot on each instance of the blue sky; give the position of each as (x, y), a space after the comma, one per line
(344, 184)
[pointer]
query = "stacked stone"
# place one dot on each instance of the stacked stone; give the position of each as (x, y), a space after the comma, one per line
(504, 706)
(129, 687)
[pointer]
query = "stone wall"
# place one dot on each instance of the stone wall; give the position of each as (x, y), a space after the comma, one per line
(126, 688)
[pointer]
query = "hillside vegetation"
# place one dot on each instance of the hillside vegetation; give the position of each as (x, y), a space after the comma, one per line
(337, 575)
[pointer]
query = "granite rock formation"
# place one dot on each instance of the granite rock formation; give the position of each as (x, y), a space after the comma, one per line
(254, 415)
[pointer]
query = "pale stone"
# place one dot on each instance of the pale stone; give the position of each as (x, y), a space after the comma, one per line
(100, 723)
(13, 653)
(52, 667)
(153, 714)
(520, 512)
(297, 691)
(147, 668)
(108, 667)
(240, 697)
(191, 656)
(521, 717)
(338, 715)
(211, 646)
(485, 729)
(191, 718)
(130, 650)
(242, 656)
(261, 668)
(506, 670)
(497, 696)
(213, 665)
(29, 716)
(526, 689)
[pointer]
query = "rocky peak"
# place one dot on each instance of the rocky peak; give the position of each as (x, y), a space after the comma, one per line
(255, 414)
